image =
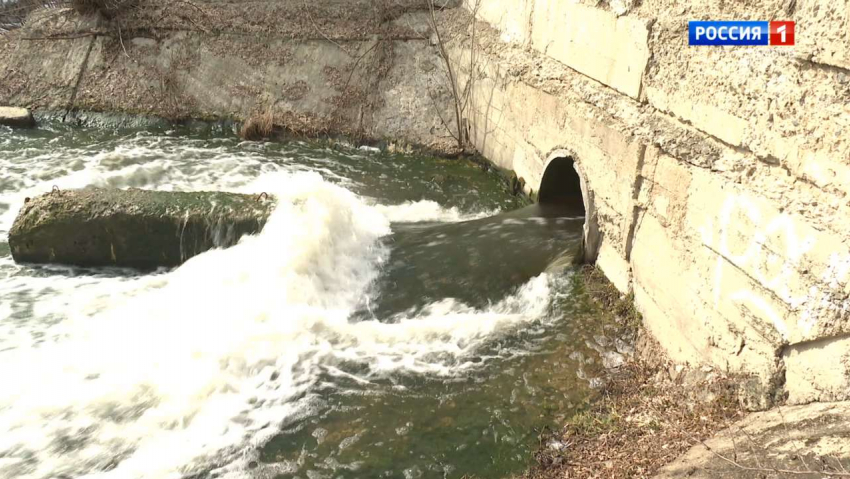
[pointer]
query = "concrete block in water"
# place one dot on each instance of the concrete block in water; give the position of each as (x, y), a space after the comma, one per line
(132, 228)
(19, 117)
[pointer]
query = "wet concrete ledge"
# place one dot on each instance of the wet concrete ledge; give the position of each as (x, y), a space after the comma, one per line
(16, 117)
(225, 125)
(132, 228)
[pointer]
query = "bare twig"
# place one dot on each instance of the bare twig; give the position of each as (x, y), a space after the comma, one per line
(461, 95)
(356, 63)
(310, 16)
(734, 448)
(63, 37)
(774, 470)
(440, 115)
(790, 439)
(841, 465)
(121, 39)
(753, 444)
(473, 56)
(450, 73)
(187, 2)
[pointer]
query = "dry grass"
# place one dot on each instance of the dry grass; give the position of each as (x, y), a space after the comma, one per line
(610, 301)
(106, 7)
(640, 424)
(644, 418)
(13, 14)
(608, 298)
(259, 126)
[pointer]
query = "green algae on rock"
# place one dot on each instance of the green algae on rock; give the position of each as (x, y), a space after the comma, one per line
(132, 228)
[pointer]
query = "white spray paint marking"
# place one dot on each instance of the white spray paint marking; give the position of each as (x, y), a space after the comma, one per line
(756, 254)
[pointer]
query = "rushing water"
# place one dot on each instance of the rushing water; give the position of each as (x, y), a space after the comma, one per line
(399, 316)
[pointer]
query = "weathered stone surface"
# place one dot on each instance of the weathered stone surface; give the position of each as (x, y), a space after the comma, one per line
(18, 117)
(786, 105)
(785, 442)
(512, 17)
(598, 43)
(378, 77)
(720, 195)
(132, 228)
(818, 370)
(610, 49)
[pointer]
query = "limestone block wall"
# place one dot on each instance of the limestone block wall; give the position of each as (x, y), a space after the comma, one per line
(720, 175)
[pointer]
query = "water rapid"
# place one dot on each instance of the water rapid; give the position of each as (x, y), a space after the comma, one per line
(386, 296)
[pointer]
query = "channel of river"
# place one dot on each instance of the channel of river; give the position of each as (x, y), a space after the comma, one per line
(399, 316)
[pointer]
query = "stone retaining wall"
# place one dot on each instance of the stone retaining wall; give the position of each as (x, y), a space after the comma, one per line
(343, 67)
(720, 175)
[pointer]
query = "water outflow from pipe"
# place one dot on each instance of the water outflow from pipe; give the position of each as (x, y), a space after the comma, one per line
(475, 262)
(212, 369)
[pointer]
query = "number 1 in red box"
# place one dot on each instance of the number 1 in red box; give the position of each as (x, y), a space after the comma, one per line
(782, 33)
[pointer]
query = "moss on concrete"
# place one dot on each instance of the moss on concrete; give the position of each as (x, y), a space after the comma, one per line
(132, 228)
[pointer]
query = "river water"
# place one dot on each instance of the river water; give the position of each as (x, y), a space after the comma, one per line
(399, 316)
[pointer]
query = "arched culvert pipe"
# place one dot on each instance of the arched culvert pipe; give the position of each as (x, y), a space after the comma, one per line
(564, 185)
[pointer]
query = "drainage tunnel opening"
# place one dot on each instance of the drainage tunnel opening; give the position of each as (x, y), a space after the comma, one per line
(561, 186)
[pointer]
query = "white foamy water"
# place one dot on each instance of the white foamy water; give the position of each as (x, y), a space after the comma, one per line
(159, 376)
(420, 211)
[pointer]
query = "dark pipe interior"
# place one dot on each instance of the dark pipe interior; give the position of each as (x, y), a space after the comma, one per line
(561, 185)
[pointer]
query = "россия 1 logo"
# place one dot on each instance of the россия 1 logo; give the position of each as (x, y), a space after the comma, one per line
(741, 33)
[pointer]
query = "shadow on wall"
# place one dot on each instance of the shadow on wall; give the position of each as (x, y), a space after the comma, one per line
(563, 186)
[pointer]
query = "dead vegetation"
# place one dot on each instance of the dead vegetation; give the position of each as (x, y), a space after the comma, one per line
(13, 14)
(648, 412)
(259, 126)
(598, 287)
(107, 8)
(641, 423)
(131, 32)
(461, 91)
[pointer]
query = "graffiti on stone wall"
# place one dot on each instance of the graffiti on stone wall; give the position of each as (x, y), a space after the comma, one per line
(769, 250)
